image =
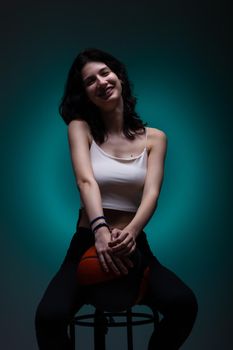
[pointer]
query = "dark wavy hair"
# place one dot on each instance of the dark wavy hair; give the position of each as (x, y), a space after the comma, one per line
(75, 103)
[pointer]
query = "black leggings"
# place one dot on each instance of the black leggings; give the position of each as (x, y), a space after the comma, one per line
(64, 297)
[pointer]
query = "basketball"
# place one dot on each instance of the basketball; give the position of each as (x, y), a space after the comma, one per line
(121, 293)
(89, 270)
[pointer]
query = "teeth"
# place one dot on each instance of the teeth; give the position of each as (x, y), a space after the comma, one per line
(104, 93)
(107, 91)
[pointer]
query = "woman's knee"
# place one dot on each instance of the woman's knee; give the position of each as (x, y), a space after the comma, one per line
(46, 315)
(186, 306)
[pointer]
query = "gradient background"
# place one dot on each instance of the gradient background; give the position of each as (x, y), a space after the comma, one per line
(177, 56)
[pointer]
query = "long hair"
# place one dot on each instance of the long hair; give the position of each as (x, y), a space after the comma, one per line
(75, 103)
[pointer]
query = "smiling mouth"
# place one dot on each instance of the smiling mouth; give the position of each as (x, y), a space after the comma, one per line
(106, 93)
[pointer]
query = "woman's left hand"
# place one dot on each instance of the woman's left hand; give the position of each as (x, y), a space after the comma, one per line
(123, 242)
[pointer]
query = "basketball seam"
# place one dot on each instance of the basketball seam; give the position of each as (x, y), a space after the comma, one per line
(89, 257)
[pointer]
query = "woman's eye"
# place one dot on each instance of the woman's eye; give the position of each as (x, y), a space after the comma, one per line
(89, 82)
(106, 73)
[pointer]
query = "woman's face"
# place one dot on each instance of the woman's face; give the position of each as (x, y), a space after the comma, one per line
(102, 86)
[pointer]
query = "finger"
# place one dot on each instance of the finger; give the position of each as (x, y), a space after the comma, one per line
(121, 242)
(127, 261)
(111, 264)
(113, 243)
(103, 262)
(121, 265)
(115, 240)
(123, 250)
(115, 230)
(130, 251)
(121, 237)
(128, 241)
(114, 234)
(126, 251)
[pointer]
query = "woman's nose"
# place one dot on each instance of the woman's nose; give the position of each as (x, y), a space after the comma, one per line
(101, 81)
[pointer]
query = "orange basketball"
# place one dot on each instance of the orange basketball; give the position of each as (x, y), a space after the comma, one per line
(89, 269)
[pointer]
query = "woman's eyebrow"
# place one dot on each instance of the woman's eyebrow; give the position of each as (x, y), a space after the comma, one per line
(91, 76)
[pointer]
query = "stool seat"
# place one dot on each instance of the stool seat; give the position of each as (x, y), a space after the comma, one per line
(102, 320)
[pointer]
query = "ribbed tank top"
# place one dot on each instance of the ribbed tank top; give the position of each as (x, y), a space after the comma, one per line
(121, 180)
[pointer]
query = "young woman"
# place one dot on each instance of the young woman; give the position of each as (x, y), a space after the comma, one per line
(118, 164)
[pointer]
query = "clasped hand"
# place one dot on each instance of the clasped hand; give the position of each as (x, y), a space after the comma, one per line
(114, 250)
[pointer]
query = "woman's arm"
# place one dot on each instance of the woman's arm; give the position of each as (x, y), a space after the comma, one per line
(80, 157)
(153, 182)
(151, 191)
(89, 190)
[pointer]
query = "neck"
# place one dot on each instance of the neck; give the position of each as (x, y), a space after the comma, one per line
(113, 119)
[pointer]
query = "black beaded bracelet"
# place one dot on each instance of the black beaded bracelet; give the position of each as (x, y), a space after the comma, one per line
(100, 225)
(98, 217)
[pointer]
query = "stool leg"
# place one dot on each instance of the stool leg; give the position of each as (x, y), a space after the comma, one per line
(129, 329)
(100, 329)
(72, 334)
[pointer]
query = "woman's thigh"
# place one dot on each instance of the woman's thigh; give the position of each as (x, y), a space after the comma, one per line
(63, 297)
(167, 293)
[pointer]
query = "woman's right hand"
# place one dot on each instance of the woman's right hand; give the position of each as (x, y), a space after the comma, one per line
(107, 260)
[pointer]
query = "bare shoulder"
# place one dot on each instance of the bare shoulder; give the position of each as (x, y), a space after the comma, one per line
(79, 127)
(156, 137)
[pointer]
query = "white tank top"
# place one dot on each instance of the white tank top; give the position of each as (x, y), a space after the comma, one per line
(121, 180)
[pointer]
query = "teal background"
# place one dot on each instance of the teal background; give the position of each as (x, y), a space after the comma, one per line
(178, 58)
